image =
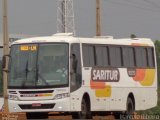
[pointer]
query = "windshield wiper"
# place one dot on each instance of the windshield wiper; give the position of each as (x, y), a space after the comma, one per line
(26, 70)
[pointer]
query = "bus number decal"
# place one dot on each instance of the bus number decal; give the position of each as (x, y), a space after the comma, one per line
(131, 72)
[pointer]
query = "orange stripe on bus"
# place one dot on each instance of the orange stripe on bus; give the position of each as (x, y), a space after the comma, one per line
(140, 74)
(97, 85)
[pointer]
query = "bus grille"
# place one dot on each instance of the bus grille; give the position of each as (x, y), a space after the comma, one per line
(34, 92)
(42, 106)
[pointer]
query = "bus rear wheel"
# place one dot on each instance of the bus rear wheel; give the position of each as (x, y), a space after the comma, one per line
(130, 107)
(128, 114)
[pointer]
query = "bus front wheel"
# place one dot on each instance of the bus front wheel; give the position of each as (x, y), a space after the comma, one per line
(85, 110)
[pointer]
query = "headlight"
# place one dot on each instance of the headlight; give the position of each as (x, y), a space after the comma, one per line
(61, 96)
(12, 97)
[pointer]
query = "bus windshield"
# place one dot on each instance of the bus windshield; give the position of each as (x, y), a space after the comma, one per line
(38, 66)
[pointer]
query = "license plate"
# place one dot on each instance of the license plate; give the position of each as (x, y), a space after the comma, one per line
(36, 104)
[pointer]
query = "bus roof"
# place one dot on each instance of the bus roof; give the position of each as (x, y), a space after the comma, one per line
(67, 38)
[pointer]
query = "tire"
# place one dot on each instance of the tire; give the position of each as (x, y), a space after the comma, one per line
(130, 107)
(37, 115)
(85, 112)
(128, 114)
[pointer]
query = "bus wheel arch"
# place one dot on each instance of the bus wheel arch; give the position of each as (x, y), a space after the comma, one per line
(130, 104)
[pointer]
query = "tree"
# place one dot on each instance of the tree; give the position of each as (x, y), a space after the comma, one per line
(157, 46)
(133, 36)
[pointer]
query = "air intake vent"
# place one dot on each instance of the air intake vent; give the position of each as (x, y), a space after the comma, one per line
(34, 92)
(41, 106)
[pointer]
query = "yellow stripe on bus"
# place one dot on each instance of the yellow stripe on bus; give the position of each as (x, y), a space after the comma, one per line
(106, 92)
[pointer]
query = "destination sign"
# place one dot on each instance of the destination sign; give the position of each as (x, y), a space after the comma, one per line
(28, 47)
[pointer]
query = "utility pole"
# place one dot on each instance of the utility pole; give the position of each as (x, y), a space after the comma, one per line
(5, 53)
(98, 18)
(65, 16)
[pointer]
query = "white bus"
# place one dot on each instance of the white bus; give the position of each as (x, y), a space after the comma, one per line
(69, 74)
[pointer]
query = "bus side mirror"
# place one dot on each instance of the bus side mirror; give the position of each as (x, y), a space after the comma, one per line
(4, 62)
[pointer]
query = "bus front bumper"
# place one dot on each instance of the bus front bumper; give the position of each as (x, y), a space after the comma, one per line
(60, 105)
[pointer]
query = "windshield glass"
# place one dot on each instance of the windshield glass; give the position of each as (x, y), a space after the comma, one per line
(38, 65)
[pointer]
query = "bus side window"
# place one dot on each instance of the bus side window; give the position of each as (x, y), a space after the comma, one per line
(75, 67)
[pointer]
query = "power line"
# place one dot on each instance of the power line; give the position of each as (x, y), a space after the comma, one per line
(134, 2)
(148, 2)
(152, 3)
(132, 5)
